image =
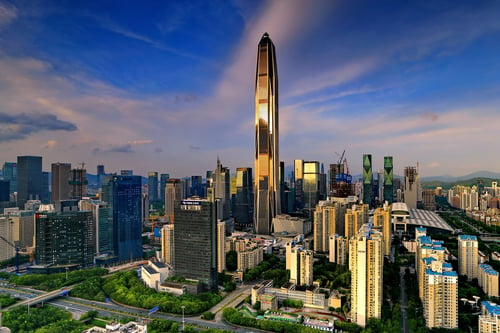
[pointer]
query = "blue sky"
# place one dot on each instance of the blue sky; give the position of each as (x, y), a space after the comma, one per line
(168, 86)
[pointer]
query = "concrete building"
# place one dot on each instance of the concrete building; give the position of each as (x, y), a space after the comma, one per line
(382, 218)
(154, 273)
(354, 218)
(60, 181)
(366, 262)
(221, 246)
(399, 216)
(300, 264)
(325, 224)
(167, 244)
(488, 280)
(427, 251)
(411, 192)
(440, 300)
(7, 249)
(103, 217)
(174, 192)
(249, 258)
(338, 249)
(29, 179)
(468, 256)
(290, 225)
(429, 199)
(489, 319)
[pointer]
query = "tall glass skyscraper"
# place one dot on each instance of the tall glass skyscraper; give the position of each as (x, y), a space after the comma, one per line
(388, 177)
(29, 179)
(367, 180)
(267, 196)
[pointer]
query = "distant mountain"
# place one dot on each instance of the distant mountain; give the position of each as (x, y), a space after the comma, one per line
(448, 178)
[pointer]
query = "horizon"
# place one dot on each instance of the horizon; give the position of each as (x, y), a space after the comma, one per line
(170, 87)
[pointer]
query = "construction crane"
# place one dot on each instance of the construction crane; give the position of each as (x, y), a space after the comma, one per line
(343, 161)
(17, 252)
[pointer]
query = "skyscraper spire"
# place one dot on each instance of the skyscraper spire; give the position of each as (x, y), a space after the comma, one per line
(267, 196)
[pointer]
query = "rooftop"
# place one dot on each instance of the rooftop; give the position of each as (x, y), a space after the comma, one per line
(492, 308)
(467, 238)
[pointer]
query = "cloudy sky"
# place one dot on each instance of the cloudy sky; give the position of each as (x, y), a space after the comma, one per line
(168, 86)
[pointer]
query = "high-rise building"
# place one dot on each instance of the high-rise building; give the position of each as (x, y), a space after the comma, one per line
(382, 218)
(489, 319)
(65, 238)
(267, 196)
(488, 280)
(325, 224)
(221, 246)
(367, 180)
(173, 193)
(29, 179)
(354, 218)
(388, 179)
(103, 217)
(311, 186)
(123, 196)
(153, 186)
(7, 249)
(9, 172)
(411, 187)
(60, 181)
(100, 174)
(429, 199)
(298, 175)
(338, 249)
(78, 183)
(243, 199)
(195, 241)
(468, 263)
(440, 299)
(197, 188)
(366, 262)
(163, 184)
(23, 226)
(221, 182)
(300, 263)
(4, 191)
(167, 244)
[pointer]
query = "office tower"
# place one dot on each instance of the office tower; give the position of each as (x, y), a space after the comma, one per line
(382, 218)
(243, 201)
(7, 248)
(60, 181)
(197, 187)
(123, 195)
(366, 261)
(298, 174)
(267, 196)
(4, 190)
(221, 246)
(388, 179)
(9, 172)
(100, 174)
(221, 182)
(411, 187)
(489, 319)
(29, 179)
(440, 299)
(153, 186)
(300, 263)
(488, 280)
(367, 180)
(468, 256)
(429, 199)
(45, 196)
(173, 193)
(311, 186)
(23, 226)
(163, 184)
(103, 217)
(167, 244)
(78, 182)
(325, 224)
(77, 247)
(195, 240)
(283, 187)
(338, 249)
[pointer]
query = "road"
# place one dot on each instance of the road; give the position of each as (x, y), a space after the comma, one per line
(79, 306)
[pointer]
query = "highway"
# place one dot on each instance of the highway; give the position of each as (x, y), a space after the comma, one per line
(79, 306)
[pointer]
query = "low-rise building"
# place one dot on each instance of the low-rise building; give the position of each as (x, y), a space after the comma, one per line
(155, 273)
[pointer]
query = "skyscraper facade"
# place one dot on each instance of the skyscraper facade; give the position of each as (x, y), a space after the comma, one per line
(388, 179)
(29, 179)
(243, 199)
(153, 186)
(173, 193)
(367, 180)
(123, 195)
(411, 187)
(163, 184)
(78, 183)
(60, 181)
(9, 172)
(267, 196)
(468, 261)
(221, 181)
(311, 186)
(195, 241)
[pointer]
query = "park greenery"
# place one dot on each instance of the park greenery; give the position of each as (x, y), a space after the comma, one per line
(54, 281)
(6, 300)
(90, 289)
(44, 319)
(331, 275)
(127, 288)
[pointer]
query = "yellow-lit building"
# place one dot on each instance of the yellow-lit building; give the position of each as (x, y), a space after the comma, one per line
(366, 262)
(440, 300)
(325, 221)
(488, 280)
(167, 244)
(300, 264)
(250, 258)
(489, 319)
(338, 249)
(353, 219)
(468, 261)
(382, 218)
(221, 246)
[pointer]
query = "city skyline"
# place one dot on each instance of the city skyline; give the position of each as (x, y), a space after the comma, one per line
(172, 84)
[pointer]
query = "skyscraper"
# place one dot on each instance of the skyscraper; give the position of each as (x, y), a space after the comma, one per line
(9, 172)
(267, 196)
(78, 182)
(29, 179)
(123, 195)
(163, 184)
(310, 186)
(367, 180)
(411, 187)
(243, 200)
(60, 181)
(468, 262)
(153, 186)
(388, 179)
(173, 193)
(221, 182)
